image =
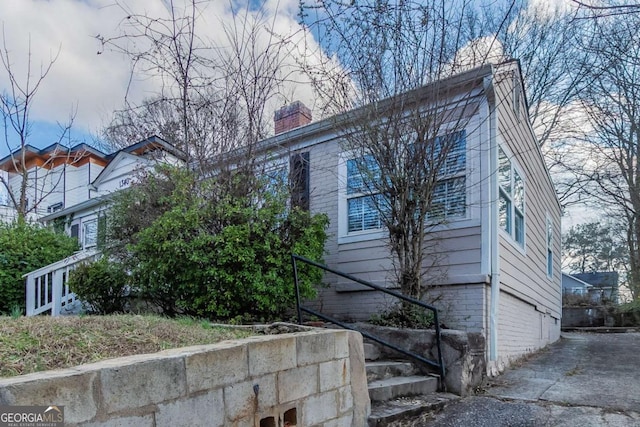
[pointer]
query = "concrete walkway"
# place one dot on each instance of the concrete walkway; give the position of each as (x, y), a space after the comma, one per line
(585, 379)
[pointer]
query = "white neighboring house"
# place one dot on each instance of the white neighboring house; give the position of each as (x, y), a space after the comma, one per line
(72, 186)
(57, 176)
(83, 219)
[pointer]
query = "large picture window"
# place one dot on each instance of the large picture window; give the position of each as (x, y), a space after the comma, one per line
(511, 198)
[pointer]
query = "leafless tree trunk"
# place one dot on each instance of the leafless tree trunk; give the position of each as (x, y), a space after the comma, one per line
(15, 106)
(546, 38)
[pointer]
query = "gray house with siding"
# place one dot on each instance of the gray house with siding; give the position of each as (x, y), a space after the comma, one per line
(494, 267)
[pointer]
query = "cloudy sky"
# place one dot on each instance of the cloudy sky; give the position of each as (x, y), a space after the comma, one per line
(93, 85)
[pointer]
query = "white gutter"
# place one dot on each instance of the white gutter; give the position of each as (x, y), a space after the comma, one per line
(493, 220)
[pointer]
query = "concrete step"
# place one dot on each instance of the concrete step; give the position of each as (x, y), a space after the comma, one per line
(371, 351)
(383, 413)
(385, 369)
(391, 388)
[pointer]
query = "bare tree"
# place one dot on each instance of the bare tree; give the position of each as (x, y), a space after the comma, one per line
(405, 127)
(36, 182)
(213, 96)
(607, 8)
(612, 102)
(546, 38)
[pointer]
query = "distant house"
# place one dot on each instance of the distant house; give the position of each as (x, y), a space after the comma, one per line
(72, 184)
(574, 286)
(498, 253)
(57, 176)
(604, 285)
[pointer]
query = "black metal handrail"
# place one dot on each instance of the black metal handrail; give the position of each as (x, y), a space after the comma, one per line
(439, 364)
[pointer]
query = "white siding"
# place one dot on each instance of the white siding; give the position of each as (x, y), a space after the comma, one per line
(120, 174)
(78, 179)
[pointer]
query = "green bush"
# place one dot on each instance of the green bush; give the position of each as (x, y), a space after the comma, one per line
(25, 248)
(217, 248)
(102, 285)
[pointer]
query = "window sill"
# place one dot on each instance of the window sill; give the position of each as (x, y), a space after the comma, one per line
(362, 236)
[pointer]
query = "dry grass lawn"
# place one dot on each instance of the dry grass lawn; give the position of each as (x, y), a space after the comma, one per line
(31, 344)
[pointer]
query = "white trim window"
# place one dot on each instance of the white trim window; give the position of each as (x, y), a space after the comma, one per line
(365, 205)
(511, 198)
(549, 247)
(363, 201)
(450, 193)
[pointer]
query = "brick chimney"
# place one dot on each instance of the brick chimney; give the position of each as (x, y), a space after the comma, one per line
(291, 116)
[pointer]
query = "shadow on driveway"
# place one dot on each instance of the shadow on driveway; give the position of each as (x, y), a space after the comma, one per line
(584, 379)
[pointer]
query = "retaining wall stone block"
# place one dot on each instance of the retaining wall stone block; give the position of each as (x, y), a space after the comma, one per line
(206, 410)
(271, 355)
(334, 374)
(319, 408)
(358, 378)
(316, 348)
(297, 383)
(228, 364)
(135, 385)
(70, 388)
(132, 421)
(242, 402)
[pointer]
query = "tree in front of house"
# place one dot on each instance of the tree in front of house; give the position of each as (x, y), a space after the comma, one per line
(27, 247)
(407, 148)
(16, 103)
(211, 248)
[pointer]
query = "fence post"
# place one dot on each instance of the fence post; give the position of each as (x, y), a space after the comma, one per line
(31, 294)
(56, 289)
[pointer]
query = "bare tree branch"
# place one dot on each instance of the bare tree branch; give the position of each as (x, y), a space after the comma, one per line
(15, 107)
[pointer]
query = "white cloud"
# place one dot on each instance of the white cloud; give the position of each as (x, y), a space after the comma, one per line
(479, 51)
(94, 85)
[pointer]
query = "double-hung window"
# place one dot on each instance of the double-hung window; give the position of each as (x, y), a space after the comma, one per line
(511, 198)
(450, 193)
(365, 204)
(363, 200)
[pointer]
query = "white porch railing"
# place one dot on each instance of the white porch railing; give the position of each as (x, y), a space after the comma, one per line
(47, 288)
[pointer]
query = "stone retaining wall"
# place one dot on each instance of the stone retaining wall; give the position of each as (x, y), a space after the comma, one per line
(314, 378)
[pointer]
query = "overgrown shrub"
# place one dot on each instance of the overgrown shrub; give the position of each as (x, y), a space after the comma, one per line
(216, 248)
(102, 285)
(25, 247)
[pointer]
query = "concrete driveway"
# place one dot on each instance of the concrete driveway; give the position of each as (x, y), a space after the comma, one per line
(585, 379)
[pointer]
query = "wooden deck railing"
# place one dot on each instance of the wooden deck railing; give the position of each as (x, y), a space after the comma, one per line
(47, 288)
